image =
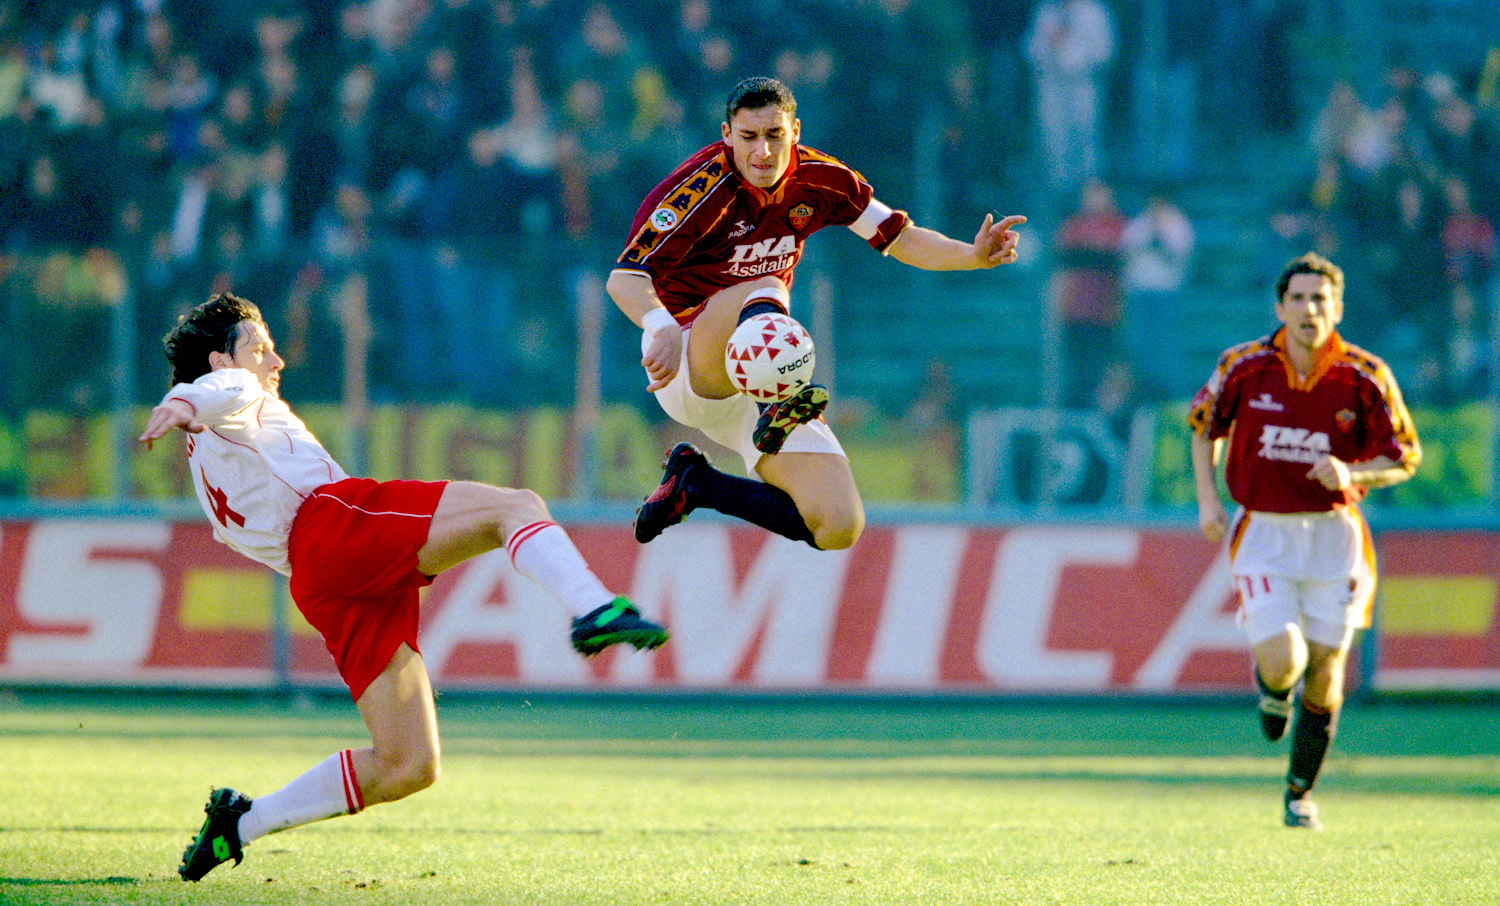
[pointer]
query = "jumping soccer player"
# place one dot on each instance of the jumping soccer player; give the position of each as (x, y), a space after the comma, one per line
(715, 243)
(357, 551)
(1313, 423)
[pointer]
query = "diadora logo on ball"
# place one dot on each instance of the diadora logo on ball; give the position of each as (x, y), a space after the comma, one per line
(1292, 444)
(764, 257)
(664, 219)
(795, 363)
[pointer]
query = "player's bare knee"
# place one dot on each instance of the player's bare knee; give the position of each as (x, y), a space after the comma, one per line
(1278, 673)
(836, 534)
(1279, 681)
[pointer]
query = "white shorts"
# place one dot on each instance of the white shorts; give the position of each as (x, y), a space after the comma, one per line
(1313, 572)
(731, 421)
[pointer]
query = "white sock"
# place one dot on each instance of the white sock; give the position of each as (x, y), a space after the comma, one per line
(328, 790)
(543, 553)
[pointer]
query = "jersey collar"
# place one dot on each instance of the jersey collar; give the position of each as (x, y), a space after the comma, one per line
(1329, 354)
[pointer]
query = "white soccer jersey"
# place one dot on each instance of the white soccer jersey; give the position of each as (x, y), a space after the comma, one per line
(253, 464)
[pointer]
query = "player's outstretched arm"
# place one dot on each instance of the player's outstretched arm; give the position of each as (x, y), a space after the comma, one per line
(170, 414)
(995, 244)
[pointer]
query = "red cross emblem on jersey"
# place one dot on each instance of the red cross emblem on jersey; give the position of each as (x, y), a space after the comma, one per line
(220, 502)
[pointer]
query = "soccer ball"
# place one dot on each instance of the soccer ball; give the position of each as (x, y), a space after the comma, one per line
(769, 357)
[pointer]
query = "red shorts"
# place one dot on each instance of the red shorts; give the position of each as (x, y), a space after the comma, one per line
(353, 549)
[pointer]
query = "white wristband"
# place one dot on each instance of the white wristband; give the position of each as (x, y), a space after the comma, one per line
(657, 319)
(653, 322)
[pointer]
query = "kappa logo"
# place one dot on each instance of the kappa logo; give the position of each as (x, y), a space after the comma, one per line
(1265, 403)
(1293, 444)
(664, 219)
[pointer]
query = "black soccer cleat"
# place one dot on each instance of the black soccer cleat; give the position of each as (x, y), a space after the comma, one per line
(778, 419)
(219, 840)
(613, 623)
(668, 504)
(1273, 715)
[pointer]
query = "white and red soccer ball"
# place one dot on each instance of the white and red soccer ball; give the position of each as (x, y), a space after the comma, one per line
(769, 357)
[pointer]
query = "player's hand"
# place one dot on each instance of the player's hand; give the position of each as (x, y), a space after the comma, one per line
(661, 358)
(169, 415)
(1213, 521)
(995, 243)
(1331, 472)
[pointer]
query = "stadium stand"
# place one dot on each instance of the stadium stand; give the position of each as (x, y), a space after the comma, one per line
(492, 149)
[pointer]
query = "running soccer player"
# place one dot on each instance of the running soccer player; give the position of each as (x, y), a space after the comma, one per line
(357, 551)
(717, 242)
(1312, 423)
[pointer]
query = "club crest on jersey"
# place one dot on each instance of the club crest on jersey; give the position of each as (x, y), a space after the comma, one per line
(800, 216)
(1344, 418)
(664, 219)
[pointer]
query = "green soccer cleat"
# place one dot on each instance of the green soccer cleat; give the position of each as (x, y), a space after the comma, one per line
(615, 622)
(219, 840)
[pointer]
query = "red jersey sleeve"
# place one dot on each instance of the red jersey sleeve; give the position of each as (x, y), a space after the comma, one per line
(1212, 411)
(1390, 429)
(661, 232)
(850, 199)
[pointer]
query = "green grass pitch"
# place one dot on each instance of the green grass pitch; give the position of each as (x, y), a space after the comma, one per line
(664, 799)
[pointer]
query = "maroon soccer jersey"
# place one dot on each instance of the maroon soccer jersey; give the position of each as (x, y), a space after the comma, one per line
(1278, 424)
(704, 228)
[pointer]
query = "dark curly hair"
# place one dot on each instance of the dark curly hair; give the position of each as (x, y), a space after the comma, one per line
(757, 92)
(213, 326)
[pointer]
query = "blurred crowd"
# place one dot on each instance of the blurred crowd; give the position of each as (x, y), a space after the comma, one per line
(462, 158)
(1403, 188)
(1398, 182)
(430, 178)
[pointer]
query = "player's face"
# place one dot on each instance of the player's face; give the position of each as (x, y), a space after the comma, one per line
(761, 142)
(256, 354)
(1311, 309)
